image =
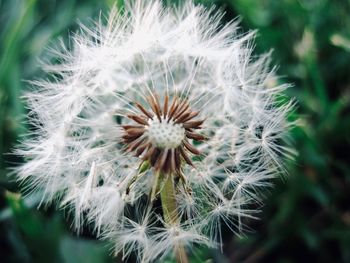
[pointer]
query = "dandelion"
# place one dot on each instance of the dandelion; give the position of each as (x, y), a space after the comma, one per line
(157, 127)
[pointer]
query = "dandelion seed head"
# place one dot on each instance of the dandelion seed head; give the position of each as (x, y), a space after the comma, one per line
(154, 104)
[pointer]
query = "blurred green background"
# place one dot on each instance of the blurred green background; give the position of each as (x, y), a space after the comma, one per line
(306, 216)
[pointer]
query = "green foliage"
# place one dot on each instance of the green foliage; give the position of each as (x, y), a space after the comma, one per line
(306, 216)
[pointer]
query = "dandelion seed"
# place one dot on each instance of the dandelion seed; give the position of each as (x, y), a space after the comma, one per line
(159, 127)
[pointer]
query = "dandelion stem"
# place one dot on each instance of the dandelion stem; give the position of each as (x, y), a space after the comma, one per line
(170, 214)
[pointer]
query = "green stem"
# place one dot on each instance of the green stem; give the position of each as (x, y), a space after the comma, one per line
(167, 196)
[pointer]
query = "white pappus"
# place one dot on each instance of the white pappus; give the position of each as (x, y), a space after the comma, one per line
(157, 126)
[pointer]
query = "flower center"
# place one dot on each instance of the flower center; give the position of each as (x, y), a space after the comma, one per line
(162, 133)
(165, 134)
